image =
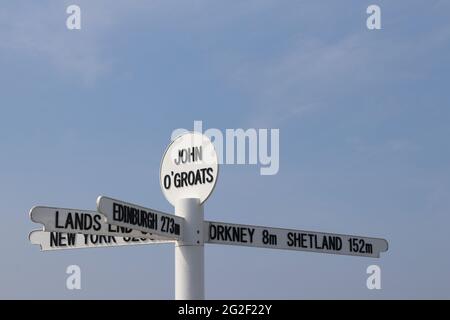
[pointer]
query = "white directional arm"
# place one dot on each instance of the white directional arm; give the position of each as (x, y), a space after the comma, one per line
(132, 216)
(49, 241)
(82, 221)
(276, 238)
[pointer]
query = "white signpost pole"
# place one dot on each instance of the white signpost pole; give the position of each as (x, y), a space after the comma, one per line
(189, 253)
(188, 175)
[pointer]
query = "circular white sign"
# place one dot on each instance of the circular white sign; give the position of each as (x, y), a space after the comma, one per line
(189, 168)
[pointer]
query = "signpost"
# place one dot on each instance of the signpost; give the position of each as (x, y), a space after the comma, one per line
(132, 216)
(188, 175)
(276, 238)
(82, 221)
(50, 241)
(189, 168)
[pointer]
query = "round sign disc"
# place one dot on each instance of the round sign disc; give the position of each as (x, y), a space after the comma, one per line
(189, 168)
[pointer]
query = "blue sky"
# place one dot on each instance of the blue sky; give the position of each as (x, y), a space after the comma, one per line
(363, 118)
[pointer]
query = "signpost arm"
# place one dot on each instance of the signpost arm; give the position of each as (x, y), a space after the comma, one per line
(189, 252)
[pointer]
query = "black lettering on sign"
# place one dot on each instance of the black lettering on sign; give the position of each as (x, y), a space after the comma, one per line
(191, 178)
(231, 233)
(360, 246)
(210, 172)
(168, 225)
(112, 228)
(57, 220)
(221, 235)
(134, 239)
(167, 182)
(189, 155)
(327, 242)
(93, 238)
(291, 242)
(99, 239)
(97, 222)
(184, 179)
(78, 221)
(212, 232)
(116, 212)
(54, 236)
(334, 243)
(59, 240)
(71, 239)
(268, 238)
(314, 241)
(134, 216)
(117, 229)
